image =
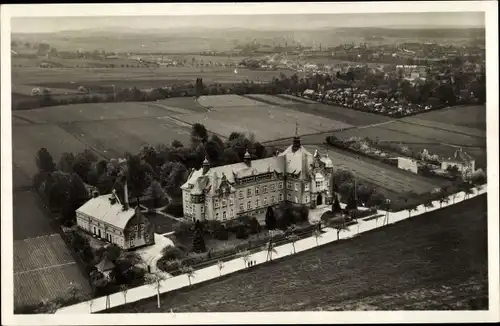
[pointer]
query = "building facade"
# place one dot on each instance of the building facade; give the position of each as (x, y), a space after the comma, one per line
(465, 164)
(106, 218)
(226, 192)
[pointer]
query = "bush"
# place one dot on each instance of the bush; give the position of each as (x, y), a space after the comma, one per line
(183, 229)
(221, 233)
(173, 253)
(254, 226)
(175, 209)
(242, 232)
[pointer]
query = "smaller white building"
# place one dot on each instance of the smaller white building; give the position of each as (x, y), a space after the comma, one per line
(407, 164)
(463, 161)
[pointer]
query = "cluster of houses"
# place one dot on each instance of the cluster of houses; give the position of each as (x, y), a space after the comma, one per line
(366, 100)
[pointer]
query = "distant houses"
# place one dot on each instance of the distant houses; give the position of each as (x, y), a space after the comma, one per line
(464, 163)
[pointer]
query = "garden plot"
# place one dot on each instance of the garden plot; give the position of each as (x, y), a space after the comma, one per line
(28, 139)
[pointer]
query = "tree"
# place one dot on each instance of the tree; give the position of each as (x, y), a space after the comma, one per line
(198, 134)
(136, 176)
(270, 219)
(155, 279)
(317, 234)
(220, 265)
(443, 199)
(293, 238)
(189, 271)
(336, 209)
(44, 161)
(270, 250)
(428, 205)
(176, 144)
(454, 196)
(340, 227)
(172, 176)
(156, 192)
(411, 209)
(124, 290)
(254, 226)
(245, 255)
(66, 162)
(199, 241)
(74, 291)
(467, 192)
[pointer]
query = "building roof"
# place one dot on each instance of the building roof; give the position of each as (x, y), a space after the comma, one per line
(101, 208)
(105, 264)
(461, 157)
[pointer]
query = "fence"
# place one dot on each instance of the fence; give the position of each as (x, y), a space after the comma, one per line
(238, 264)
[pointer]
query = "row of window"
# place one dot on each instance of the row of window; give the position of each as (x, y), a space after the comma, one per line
(265, 190)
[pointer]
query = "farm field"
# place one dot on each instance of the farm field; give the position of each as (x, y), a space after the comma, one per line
(350, 116)
(112, 138)
(139, 77)
(26, 90)
(44, 269)
(436, 261)
(471, 116)
(28, 139)
(235, 113)
(29, 216)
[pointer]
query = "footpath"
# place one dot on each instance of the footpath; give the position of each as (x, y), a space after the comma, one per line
(237, 264)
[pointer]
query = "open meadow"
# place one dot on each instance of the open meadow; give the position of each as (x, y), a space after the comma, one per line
(436, 261)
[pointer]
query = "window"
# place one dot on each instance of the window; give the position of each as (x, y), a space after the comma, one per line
(289, 186)
(296, 187)
(95, 230)
(280, 185)
(265, 200)
(273, 187)
(318, 184)
(241, 208)
(249, 192)
(289, 197)
(296, 199)
(224, 216)
(224, 203)
(306, 187)
(192, 208)
(307, 200)
(202, 208)
(231, 213)
(265, 189)
(281, 197)
(256, 191)
(131, 242)
(272, 199)
(141, 226)
(217, 215)
(231, 201)
(216, 203)
(257, 202)
(135, 227)
(249, 205)
(240, 194)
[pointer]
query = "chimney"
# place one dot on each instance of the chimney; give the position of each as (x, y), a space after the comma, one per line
(125, 196)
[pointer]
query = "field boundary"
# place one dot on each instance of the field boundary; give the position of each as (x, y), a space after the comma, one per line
(238, 264)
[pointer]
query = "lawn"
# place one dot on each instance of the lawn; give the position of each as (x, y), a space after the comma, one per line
(163, 224)
(30, 218)
(436, 261)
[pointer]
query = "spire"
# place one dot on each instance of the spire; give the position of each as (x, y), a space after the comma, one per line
(205, 165)
(316, 154)
(296, 140)
(247, 158)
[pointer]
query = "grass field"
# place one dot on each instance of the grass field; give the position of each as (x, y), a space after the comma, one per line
(28, 139)
(230, 113)
(43, 269)
(436, 261)
(471, 116)
(29, 216)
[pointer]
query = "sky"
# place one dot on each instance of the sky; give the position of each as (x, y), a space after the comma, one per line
(259, 22)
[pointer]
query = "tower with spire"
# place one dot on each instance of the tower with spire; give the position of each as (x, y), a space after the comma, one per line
(247, 158)
(296, 140)
(206, 165)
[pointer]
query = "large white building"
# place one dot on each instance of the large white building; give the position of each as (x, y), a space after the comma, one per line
(226, 192)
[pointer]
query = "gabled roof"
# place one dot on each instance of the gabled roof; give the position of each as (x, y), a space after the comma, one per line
(105, 264)
(460, 156)
(101, 208)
